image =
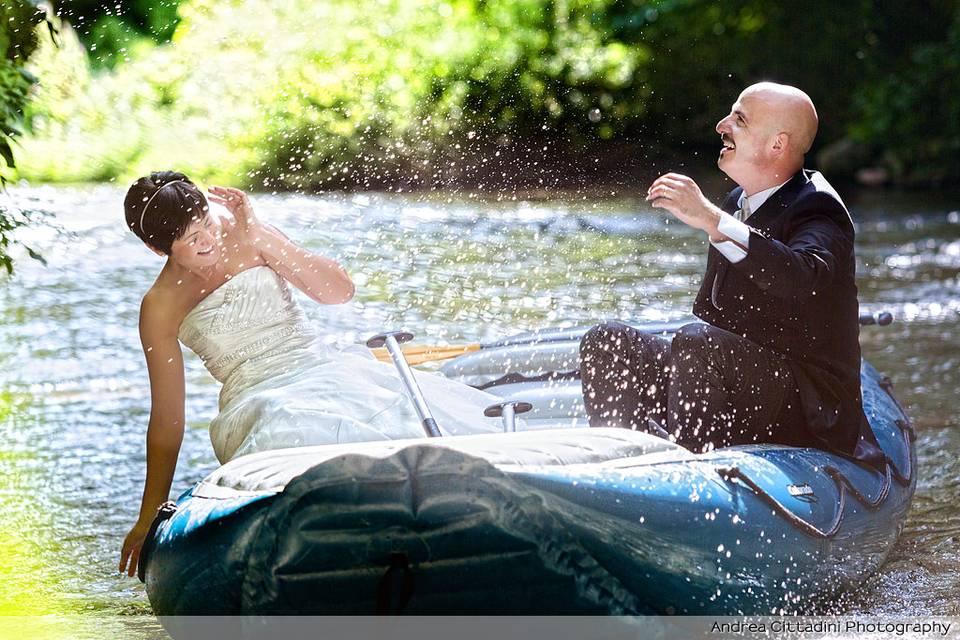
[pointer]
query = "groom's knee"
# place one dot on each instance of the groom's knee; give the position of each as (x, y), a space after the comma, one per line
(695, 338)
(607, 336)
(600, 348)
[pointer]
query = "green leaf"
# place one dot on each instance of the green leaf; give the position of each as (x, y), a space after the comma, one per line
(7, 153)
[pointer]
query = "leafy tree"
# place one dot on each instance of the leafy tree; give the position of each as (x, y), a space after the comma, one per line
(19, 37)
(110, 31)
(302, 94)
(908, 112)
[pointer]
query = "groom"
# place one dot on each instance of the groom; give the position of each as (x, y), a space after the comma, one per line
(778, 358)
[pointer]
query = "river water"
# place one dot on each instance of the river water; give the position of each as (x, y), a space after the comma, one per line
(74, 398)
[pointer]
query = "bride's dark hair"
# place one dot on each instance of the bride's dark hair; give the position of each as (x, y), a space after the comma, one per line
(159, 207)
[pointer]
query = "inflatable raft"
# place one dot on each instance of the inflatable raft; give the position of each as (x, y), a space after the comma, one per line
(554, 518)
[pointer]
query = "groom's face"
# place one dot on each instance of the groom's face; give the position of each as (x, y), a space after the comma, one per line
(744, 134)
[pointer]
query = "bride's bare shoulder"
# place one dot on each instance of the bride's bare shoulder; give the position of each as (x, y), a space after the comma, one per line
(162, 308)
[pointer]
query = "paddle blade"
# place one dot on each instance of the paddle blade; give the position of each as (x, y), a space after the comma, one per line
(419, 354)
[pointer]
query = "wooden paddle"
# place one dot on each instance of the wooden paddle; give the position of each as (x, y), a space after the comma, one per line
(418, 354)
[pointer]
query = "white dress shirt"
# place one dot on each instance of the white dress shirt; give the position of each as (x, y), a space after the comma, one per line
(737, 230)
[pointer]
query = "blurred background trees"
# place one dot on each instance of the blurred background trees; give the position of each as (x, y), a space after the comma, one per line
(314, 95)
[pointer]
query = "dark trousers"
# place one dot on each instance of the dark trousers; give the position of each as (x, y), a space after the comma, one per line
(707, 387)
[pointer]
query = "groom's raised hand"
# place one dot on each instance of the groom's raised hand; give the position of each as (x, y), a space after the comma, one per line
(681, 196)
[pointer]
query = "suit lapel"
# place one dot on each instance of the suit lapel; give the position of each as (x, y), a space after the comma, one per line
(776, 203)
(783, 198)
(730, 203)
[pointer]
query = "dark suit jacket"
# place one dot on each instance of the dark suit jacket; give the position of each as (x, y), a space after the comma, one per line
(795, 293)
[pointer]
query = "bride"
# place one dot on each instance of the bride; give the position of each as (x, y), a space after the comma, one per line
(223, 293)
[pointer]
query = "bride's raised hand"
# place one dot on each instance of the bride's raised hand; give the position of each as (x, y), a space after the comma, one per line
(238, 204)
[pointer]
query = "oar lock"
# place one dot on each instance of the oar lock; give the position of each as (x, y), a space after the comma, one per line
(381, 339)
(507, 410)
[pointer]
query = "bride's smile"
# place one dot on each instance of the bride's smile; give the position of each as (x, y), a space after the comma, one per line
(201, 248)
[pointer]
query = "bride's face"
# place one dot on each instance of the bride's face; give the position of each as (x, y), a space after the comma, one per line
(201, 245)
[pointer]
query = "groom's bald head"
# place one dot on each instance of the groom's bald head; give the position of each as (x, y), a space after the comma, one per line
(788, 110)
(766, 134)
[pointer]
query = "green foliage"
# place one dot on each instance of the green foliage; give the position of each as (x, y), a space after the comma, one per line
(549, 63)
(705, 53)
(81, 128)
(110, 31)
(307, 95)
(19, 27)
(911, 113)
(310, 95)
(18, 40)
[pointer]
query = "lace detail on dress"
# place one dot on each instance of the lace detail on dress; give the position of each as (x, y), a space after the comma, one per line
(252, 351)
(251, 313)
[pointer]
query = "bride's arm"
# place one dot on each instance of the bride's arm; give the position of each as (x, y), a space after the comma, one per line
(321, 278)
(165, 429)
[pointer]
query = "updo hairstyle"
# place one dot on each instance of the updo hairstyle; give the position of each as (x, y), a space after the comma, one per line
(159, 208)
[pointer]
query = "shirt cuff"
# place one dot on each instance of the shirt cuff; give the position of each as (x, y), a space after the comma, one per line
(735, 230)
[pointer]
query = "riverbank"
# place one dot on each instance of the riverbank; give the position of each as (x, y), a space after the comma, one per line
(449, 88)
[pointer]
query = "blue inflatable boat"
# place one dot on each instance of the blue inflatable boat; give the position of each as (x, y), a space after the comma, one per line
(554, 518)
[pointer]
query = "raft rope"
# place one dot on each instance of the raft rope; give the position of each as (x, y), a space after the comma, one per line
(844, 486)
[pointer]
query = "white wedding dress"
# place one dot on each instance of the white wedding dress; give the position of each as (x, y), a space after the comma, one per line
(283, 388)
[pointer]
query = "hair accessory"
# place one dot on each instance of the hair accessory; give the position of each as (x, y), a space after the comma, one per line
(150, 199)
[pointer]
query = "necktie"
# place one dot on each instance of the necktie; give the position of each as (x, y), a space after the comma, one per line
(744, 211)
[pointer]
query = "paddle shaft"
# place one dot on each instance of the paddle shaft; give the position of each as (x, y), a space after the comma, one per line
(509, 418)
(406, 375)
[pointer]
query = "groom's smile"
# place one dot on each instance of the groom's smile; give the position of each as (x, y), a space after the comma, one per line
(728, 145)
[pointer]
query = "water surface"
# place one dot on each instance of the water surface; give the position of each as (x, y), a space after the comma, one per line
(75, 395)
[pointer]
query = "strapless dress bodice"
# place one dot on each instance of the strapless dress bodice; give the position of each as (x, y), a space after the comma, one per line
(247, 329)
(282, 387)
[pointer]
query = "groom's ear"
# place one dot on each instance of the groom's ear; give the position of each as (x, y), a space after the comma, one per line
(780, 141)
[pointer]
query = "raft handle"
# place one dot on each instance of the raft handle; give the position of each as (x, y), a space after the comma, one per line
(886, 383)
(164, 512)
(395, 587)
